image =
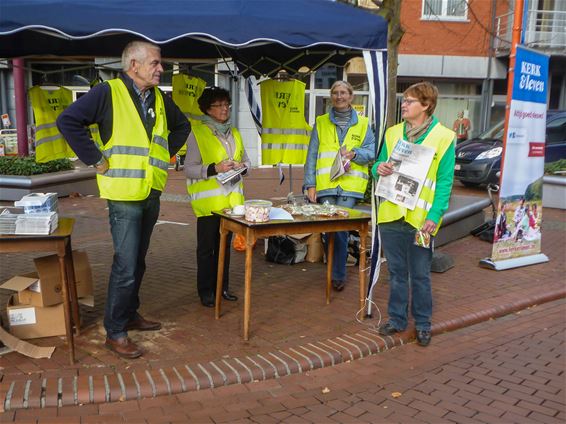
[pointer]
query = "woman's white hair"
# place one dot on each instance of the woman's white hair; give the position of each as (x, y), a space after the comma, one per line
(345, 84)
(136, 50)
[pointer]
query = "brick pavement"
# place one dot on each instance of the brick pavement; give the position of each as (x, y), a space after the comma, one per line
(184, 358)
(508, 370)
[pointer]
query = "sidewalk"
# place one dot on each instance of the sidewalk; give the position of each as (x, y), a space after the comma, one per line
(292, 330)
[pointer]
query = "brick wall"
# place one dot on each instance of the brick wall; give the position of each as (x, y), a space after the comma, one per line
(465, 38)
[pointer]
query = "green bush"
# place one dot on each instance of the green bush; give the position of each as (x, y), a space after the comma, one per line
(16, 165)
(554, 167)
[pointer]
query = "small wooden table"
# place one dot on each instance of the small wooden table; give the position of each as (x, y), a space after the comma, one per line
(60, 242)
(357, 221)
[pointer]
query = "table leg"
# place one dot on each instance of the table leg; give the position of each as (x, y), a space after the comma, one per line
(73, 288)
(329, 260)
(66, 304)
(362, 269)
(220, 272)
(250, 240)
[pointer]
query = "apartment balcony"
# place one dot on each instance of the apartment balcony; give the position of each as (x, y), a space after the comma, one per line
(545, 30)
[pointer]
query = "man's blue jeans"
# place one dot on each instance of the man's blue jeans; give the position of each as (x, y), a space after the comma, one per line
(409, 269)
(340, 237)
(131, 225)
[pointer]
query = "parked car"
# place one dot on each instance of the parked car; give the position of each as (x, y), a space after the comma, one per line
(478, 160)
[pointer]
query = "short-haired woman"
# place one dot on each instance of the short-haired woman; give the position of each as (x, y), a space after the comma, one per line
(213, 147)
(398, 226)
(340, 130)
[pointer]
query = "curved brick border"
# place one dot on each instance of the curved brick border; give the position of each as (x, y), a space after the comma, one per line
(42, 392)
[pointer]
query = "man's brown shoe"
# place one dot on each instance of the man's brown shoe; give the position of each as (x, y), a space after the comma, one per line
(123, 347)
(142, 324)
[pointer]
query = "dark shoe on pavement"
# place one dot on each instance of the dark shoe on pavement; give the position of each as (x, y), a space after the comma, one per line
(423, 337)
(123, 347)
(207, 301)
(338, 285)
(142, 324)
(229, 296)
(387, 329)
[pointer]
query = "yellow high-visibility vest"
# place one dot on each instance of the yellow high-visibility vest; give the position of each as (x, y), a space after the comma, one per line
(285, 133)
(186, 92)
(356, 179)
(137, 164)
(440, 138)
(47, 106)
(207, 195)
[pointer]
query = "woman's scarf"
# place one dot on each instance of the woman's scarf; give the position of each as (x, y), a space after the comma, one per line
(413, 133)
(343, 117)
(221, 127)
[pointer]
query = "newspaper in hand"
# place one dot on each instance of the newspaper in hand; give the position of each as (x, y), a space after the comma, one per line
(411, 163)
(340, 166)
(227, 176)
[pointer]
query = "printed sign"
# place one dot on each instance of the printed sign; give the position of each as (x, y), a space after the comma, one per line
(517, 227)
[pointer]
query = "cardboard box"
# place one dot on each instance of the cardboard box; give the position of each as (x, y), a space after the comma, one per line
(83, 274)
(30, 322)
(43, 288)
(315, 249)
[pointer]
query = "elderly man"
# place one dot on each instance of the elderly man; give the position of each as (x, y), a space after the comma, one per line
(140, 129)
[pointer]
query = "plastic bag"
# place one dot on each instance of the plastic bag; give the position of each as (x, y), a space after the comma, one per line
(239, 243)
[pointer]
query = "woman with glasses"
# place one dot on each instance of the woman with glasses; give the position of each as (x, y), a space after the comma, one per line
(409, 261)
(339, 135)
(213, 147)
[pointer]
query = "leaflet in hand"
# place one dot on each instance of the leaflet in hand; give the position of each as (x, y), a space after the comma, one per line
(339, 167)
(227, 176)
(411, 163)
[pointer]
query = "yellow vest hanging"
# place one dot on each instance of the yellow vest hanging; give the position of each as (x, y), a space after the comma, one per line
(137, 164)
(285, 133)
(208, 195)
(440, 138)
(186, 92)
(356, 179)
(47, 106)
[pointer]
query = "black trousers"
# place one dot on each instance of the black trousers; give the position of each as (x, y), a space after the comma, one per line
(208, 248)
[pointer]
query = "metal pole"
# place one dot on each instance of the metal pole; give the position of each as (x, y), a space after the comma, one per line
(517, 28)
(3, 92)
(21, 108)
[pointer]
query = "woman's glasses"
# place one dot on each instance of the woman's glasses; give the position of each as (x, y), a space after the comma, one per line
(221, 105)
(408, 101)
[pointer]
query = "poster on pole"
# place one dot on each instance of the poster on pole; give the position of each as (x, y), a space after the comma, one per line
(517, 227)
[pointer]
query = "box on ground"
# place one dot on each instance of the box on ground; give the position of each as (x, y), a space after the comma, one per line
(43, 288)
(30, 322)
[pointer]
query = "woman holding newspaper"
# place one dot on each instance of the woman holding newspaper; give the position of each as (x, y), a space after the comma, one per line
(341, 145)
(216, 159)
(407, 233)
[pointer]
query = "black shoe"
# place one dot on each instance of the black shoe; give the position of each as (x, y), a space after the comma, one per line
(338, 285)
(423, 337)
(229, 296)
(387, 329)
(207, 301)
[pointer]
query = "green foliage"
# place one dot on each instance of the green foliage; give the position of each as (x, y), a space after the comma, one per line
(534, 191)
(16, 165)
(555, 167)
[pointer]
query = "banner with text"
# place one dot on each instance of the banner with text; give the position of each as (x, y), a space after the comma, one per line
(517, 227)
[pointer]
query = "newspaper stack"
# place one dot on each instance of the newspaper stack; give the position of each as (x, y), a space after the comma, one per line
(37, 223)
(38, 202)
(8, 221)
(36, 213)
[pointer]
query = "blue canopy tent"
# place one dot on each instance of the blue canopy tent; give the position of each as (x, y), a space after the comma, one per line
(261, 36)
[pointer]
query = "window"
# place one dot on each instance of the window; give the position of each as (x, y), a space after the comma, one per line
(445, 10)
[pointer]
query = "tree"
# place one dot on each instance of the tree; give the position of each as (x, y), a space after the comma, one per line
(390, 10)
